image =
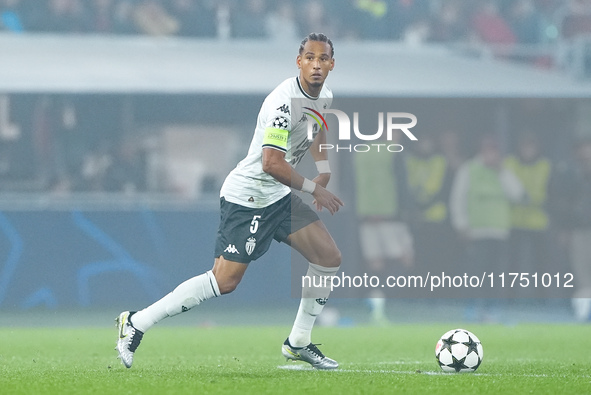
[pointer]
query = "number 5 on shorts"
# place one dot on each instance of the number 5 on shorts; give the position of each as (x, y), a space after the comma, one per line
(254, 224)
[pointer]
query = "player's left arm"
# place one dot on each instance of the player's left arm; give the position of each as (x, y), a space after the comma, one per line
(321, 159)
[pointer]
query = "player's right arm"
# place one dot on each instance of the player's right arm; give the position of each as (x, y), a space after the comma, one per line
(320, 156)
(274, 164)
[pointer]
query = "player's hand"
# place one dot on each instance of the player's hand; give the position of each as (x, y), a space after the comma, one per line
(321, 179)
(325, 198)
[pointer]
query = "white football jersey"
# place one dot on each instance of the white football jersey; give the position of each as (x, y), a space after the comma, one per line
(279, 126)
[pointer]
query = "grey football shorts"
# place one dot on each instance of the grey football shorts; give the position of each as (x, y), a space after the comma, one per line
(245, 233)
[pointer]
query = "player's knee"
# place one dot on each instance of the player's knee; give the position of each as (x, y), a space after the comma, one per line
(337, 257)
(332, 258)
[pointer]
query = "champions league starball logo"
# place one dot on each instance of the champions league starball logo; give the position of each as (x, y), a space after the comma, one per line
(280, 123)
(316, 121)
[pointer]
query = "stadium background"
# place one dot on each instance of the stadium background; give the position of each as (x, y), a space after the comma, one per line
(119, 120)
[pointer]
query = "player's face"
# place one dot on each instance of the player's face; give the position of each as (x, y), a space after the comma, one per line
(315, 63)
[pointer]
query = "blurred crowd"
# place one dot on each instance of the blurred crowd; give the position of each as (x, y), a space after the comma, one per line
(67, 144)
(488, 21)
(437, 208)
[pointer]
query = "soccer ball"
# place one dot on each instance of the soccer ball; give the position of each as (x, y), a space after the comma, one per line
(458, 350)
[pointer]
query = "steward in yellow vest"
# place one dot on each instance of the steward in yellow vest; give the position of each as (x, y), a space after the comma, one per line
(534, 172)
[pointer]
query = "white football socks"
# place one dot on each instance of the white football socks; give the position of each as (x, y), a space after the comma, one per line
(313, 301)
(184, 297)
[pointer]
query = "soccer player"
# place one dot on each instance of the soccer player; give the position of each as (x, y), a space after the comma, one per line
(257, 206)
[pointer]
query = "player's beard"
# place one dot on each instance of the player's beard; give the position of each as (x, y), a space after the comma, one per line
(314, 84)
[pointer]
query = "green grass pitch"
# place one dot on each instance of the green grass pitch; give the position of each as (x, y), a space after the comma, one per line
(531, 358)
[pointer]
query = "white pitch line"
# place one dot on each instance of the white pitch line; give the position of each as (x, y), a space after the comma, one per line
(302, 367)
(295, 367)
(401, 363)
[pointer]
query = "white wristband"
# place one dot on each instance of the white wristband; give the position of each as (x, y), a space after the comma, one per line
(308, 186)
(323, 166)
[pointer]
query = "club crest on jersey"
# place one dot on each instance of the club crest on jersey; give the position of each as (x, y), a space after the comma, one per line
(280, 123)
(251, 242)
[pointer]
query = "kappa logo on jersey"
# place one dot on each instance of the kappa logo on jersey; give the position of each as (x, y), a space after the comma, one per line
(280, 123)
(284, 109)
(231, 248)
(251, 243)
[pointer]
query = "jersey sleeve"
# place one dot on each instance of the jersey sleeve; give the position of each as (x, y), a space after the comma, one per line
(277, 125)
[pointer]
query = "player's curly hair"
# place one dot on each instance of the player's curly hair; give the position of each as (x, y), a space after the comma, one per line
(317, 37)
